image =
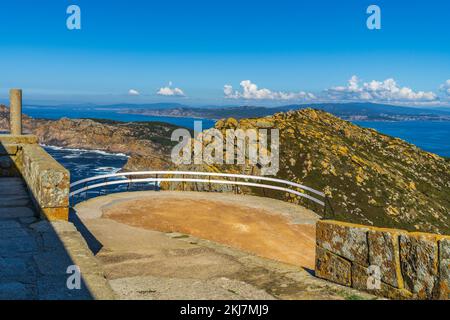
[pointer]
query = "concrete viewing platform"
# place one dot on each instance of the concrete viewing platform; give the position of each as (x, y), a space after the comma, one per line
(195, 245)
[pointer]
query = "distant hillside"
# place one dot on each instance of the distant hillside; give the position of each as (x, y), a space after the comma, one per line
(346, 111)
(369, 177)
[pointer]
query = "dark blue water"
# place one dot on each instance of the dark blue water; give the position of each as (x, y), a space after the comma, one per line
(86, 163)
(111, 114)
(432, 136)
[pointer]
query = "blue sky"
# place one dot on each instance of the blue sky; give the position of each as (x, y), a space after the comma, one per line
(298, 51)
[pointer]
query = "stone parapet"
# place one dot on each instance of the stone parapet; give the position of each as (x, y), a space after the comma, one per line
(48, 182)
(386, 262)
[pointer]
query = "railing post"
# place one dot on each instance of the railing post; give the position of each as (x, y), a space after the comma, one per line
(15, 109)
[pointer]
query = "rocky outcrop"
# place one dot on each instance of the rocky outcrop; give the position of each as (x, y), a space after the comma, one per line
(147, 143)
(369, 178)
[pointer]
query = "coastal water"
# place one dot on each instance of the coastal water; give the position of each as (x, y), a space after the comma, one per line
(110, 114)
(432, 136)
(85, 163)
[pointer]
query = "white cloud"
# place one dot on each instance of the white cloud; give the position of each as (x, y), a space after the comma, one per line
(378, 91)
(170, 92)
(446, 88)
(133, 92)
(250, 91)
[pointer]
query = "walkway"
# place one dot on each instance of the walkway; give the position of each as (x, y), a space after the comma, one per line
(135, 237)
(34, 254)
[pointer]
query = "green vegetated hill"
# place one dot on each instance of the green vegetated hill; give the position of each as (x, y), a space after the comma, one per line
(369, 177)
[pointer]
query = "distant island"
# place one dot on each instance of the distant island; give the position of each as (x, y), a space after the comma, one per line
(346, 111)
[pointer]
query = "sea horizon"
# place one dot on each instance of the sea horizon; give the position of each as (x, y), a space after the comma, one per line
(426, 134)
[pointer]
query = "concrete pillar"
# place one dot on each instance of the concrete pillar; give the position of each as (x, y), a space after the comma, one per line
(15, 109)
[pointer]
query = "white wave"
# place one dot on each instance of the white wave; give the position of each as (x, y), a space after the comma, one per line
(86, 150)
(107, 170)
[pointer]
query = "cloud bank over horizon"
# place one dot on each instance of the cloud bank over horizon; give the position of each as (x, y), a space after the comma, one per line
(445, 88)
(378, 91)
(385, 91)
(250, 91)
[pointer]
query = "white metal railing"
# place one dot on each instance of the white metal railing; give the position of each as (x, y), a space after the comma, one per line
(126, 179)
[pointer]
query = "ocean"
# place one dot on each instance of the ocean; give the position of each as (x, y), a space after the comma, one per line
(110, 114)
(432, 136)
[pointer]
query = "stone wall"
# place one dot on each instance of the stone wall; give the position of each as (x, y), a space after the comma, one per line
(11, 153)
(48, 181)
(386, 262)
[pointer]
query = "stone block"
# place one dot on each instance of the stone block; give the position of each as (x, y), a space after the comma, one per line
(332, 267)
(55, 214)
(444, 277)
(444, 248)
(48, 182)
(18, 139)
(360, 281)
(360, 276)
(444, 269)
(419, 263)
(384, 252)
(344, 239)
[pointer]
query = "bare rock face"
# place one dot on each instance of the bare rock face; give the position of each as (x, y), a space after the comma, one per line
(149, 163)
(369, 178)
(147, 143)
(419, 262)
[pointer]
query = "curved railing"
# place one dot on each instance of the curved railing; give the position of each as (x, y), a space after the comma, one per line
(96, 182)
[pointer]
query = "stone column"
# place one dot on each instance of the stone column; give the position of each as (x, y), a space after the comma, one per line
(15, 109)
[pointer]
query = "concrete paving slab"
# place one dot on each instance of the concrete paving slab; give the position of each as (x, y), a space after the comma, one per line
(14, 291)
(16, 212)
